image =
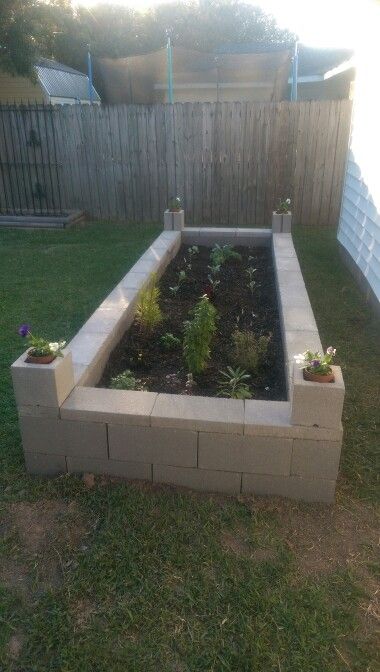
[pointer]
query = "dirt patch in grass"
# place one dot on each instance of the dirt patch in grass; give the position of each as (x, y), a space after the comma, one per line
(15, 645)
(46, 533)
(237, 543)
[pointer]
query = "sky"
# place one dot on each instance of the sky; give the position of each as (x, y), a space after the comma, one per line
(324, 23)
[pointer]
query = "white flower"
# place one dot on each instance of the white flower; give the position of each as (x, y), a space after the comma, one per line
(54, 347)
(299, 358)
(288, 201)
(61, 344)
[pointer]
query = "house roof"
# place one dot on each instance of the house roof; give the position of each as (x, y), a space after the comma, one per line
(311, 61)
(61, 81)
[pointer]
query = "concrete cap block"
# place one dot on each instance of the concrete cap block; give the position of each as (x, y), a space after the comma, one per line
(118, 300)
(283, 245)
(198, 413)
(52, 436)
(293, 487)
(287, 264)
(191, 235)
(316, 459)
(160, 445)
(125, 407)
(297, 317)
(145, 265)
(38, 411)
(253, 237)
(198, 479)
(39, 464)
(87, 346)
(135, 280)
(273, 418)
(317, 404)
(43, 384)
(128, 470)
(232, 452)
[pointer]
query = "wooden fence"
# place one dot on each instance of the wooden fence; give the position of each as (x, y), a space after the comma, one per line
(229, 162)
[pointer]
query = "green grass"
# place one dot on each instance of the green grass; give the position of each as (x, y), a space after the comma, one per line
(134, 578)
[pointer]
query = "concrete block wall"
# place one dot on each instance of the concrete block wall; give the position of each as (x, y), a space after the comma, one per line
(287, 448)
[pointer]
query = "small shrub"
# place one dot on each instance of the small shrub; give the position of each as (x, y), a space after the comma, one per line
(127, 381)
(198, 335)
(249, 350)
(169, 341)
(148, 312)
(233, 384)
(219, 255)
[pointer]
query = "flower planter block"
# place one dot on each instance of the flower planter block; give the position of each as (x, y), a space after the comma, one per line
(317, 404)
(174, 221)
(43, 384)
(281, 223)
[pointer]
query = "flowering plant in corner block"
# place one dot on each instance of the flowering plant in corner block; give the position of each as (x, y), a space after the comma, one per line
(317, 365)
(283, 206)
(40, 350)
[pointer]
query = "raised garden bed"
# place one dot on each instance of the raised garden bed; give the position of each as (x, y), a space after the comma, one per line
(238, 307)
(262, 446)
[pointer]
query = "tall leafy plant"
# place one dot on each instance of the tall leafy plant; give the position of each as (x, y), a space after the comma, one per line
(198, 335)
(148, 312)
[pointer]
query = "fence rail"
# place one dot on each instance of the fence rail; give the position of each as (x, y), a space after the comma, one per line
(230, 162)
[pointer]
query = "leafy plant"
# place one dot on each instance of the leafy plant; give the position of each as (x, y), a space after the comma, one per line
(214, 283)
(198, 335)
(175, 204)
(169, 341)
(233, 384)
(220, 254)
(283, 206)
(250, 272)
(174, 290)
(148, 312)
(127, 381)
(182, 277)
(193, 251)
(40, 347)
(317, 362)
(249, 350)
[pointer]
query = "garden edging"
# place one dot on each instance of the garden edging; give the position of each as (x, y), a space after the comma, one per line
(289, 448)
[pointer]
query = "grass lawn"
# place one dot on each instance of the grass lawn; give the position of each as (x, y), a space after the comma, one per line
(135, 578)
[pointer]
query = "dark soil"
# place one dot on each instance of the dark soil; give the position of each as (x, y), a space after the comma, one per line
(165, 371)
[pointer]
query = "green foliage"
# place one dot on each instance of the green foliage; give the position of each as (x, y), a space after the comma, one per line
(283, 206)
(126, 381)
(220, 254)
(182, 277)
(249, 350)
(193, 251)
(175, 204)
(148, 312)
(233, 384)
(169, 341)
(198, 335)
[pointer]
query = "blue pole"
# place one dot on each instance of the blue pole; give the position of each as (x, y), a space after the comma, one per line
(89, 71)
(294, 73)
(170, 70)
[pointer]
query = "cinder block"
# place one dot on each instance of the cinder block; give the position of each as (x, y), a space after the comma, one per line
(129, 470)
(293, 487)
(276, 222)
(157, 445)
(95, 404)
(198, 479)
(316, 459)
(135, 280)
(168, 221)
(299, 341)
(207, 414)
(286, 223)
(297, 316)
(147, 266)
(39, 464)
(283, 245)
(318, 404)
(252, 454)
(191, 235)
(210, 236)
(287, 264)
(253, 237)
(174, 221)
(43, 384)
(39, 411)
(52, 436)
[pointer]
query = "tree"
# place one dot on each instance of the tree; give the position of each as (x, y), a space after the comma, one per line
(27, 29)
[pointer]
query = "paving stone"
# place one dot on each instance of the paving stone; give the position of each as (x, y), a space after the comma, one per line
(316, 459)
(231, 452)
(39, 464)
(128, 470)
(176, 447)
(43, 384)
(293, 487)
(198, 479)
(52, 436)
(208, 414)
(95, 404)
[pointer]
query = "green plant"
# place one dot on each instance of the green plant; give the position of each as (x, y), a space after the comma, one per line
(148, 312)
(283, 206)
(175, 204)
(249, 350)
(193, 251)
(220, 254)
(127, 381)
(182, 277)
(198, 335)
(40, 347)
(214, 283)
(250, 272)
(174, 290)
(169, 341)
(233, 384)
(316, 362)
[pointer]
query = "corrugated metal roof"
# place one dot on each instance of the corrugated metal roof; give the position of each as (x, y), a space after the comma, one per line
(61, 81)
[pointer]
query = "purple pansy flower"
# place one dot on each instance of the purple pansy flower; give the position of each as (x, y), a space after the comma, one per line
(315, 362)
(24, 330)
